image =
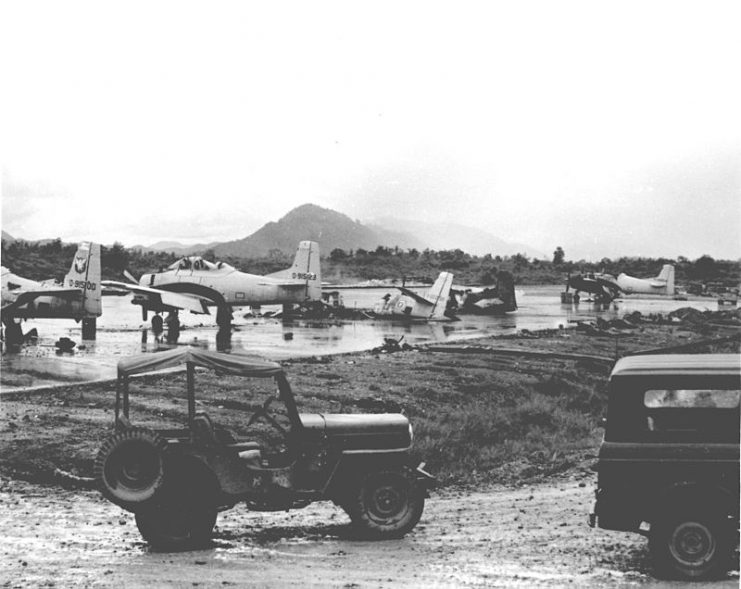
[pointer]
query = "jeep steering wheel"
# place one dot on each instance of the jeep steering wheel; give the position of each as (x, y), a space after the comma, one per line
(263, 412)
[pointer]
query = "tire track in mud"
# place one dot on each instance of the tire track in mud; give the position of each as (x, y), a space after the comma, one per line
(501, 537)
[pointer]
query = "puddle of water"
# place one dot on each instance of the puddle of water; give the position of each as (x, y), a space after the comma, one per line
(121, 333)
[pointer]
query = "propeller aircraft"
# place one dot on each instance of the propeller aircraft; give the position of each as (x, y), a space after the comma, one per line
(78, 297)
(195, 284)
(663, 284)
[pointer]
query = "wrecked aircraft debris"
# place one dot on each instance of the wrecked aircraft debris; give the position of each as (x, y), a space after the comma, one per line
(487, 300)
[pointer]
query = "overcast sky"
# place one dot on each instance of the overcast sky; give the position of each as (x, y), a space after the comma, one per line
(608, 128)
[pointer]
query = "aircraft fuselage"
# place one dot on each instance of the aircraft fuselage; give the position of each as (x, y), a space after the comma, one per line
(42, 307)
(234, 287)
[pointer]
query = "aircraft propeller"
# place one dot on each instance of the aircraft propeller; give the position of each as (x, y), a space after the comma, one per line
(130, 276)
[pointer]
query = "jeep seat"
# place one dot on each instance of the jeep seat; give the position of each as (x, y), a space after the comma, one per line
(205, 432)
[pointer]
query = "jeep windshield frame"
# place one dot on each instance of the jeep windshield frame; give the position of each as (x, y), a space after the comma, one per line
(221, 363)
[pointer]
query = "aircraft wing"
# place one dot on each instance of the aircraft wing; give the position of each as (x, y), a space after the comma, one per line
(25, 297)
(417, 297)
(185, 302)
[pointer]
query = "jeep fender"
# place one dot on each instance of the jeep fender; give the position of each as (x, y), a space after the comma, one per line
(352, 464)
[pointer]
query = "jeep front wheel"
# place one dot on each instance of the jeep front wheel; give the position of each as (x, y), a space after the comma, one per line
(387, 504)
(691, 546)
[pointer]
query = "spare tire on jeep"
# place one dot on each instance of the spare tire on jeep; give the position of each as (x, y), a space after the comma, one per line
(129, 467)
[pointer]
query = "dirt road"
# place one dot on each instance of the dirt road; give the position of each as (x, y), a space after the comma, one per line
(525, 537)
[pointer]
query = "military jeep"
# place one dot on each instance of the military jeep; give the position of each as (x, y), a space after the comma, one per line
(176, 480)
(668, 466)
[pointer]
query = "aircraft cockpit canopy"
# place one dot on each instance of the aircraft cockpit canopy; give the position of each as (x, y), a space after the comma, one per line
(198, 263)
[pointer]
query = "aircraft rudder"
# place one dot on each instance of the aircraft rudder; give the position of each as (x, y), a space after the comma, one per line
(439, 294)
(667, 273)
(85, 274)
(307, 266)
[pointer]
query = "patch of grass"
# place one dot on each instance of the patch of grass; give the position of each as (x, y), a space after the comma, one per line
(539, 425)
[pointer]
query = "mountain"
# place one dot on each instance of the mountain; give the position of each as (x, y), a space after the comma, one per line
(7, 237)
(176, 247)
(310, 222)
(449, 236)
(335, 230)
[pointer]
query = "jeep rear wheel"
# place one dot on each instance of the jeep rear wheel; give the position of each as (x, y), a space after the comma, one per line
(387, 504)
(129, 467)
(691, 546)
(176, 525)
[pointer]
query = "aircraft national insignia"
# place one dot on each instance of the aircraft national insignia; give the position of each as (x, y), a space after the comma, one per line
(80, 264)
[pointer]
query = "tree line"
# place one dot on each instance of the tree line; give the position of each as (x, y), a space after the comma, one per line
(52, 259)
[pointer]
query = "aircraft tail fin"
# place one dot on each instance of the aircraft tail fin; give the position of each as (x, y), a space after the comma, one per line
(85, 274)
(306, 266)
(438, 295)
(667, 275)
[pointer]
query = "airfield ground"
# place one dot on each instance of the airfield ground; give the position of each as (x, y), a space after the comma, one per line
(509, 426)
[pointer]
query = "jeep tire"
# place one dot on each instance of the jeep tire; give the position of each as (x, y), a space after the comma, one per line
(129, 467)
(691, 545)
(184, 513)
(386, 504)
(176, 525)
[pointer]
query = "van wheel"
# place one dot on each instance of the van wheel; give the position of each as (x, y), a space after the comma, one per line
(691, 545)
(387, 504)
(176, 525)
(129, 467)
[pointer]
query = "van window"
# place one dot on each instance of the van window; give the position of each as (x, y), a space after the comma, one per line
(687, 398)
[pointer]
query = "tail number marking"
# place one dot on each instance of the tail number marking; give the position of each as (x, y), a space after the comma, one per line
(82, 284)
(304, 275)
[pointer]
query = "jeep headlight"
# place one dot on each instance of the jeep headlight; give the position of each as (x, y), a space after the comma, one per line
(411, 435)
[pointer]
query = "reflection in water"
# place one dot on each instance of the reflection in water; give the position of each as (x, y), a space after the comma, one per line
(224, 339)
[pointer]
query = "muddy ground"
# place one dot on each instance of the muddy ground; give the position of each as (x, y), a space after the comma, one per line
(521, 523)
(535, 535)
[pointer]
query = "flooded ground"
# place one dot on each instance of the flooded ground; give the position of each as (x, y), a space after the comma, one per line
(122, 332)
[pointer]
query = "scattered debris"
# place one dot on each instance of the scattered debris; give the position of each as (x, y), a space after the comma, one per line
(391, 345)
(64, 345)
(685, 315)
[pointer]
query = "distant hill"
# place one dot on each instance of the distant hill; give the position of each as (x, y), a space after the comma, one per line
(7, 237)
(335, 230)
(450, 236)
(177, 248)
(329, 228)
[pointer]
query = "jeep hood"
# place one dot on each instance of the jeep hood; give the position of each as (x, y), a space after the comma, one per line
(351, 431)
